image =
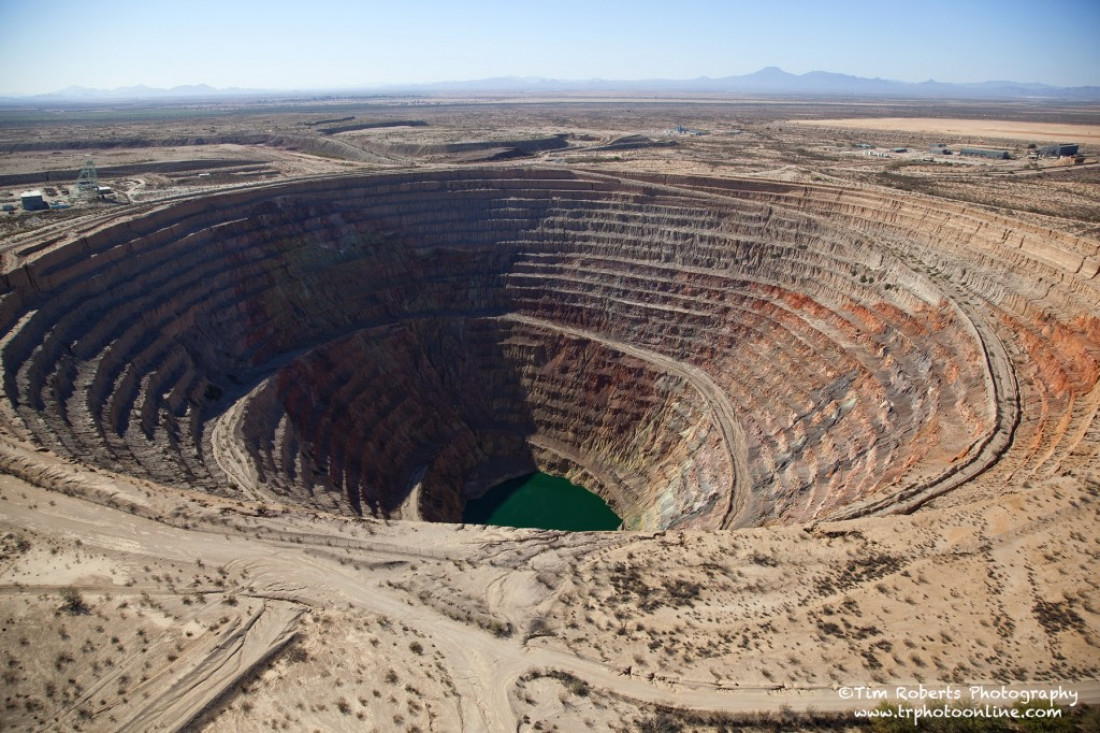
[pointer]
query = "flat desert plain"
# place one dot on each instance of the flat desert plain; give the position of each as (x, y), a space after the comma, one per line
(1007, 129)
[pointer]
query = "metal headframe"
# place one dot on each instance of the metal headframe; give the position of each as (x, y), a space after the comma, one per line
(87, 183)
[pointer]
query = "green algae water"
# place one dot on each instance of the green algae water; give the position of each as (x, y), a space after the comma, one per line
(541, 501)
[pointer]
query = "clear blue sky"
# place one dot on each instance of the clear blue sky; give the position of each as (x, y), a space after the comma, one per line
(278, 44)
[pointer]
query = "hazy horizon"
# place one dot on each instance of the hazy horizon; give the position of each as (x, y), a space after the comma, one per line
(278, 45)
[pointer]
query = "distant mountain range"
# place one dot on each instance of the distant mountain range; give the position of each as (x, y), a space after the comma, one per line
(76, 93)
(770, 81)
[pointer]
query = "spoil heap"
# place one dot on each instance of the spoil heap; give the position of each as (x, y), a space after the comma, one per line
(701, 353)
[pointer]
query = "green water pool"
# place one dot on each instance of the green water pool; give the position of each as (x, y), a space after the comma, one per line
(541, 501)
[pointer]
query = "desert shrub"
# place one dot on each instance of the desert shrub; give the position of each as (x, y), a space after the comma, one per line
(660, 723)
(539, 627)
(73, 602)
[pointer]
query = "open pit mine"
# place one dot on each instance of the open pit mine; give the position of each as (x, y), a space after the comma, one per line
(741, 363)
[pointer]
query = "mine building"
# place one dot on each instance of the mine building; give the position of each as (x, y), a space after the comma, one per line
(984, 153)
(32, 201)
(1059, 150)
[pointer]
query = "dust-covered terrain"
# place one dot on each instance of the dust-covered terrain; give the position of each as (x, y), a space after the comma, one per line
(843, 391)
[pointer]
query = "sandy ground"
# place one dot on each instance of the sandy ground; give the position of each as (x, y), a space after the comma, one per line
(1032, 131)
(239, 616)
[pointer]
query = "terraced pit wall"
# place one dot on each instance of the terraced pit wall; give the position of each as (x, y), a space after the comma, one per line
(701, 353)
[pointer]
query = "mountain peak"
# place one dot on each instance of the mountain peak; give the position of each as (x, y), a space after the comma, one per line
(771, 72)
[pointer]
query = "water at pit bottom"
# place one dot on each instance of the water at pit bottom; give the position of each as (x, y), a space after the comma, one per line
(541, 501)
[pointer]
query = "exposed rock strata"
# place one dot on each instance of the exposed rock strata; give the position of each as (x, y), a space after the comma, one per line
(700, 352)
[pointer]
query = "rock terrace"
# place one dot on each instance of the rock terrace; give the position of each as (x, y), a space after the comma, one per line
(701, 353)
